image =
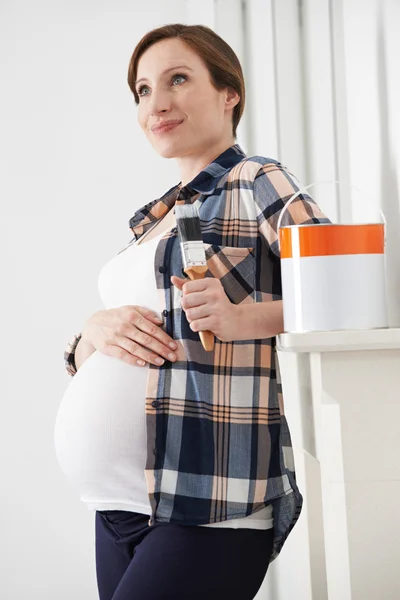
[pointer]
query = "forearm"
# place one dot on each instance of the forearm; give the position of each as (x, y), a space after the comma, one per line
(83, 350)
(258, 320)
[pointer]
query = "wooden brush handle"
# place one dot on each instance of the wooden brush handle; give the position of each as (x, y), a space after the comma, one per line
(206, 337)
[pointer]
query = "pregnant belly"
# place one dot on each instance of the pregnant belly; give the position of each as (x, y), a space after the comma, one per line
(100, 428)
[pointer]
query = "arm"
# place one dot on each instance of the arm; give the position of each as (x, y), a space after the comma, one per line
(258, 321)
(210, 308)
(83, 350)
(205, 302)
(274, 185)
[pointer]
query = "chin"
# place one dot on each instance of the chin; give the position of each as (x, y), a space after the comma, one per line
(168, 150)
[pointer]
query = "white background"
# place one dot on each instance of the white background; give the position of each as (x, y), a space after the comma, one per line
(323, 93)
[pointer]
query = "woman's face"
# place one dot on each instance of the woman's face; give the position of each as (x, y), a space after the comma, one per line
(173, 83)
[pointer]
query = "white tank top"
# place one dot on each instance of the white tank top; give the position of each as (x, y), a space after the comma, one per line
(100, 429)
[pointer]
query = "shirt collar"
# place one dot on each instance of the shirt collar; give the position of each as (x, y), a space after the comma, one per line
(204, 183)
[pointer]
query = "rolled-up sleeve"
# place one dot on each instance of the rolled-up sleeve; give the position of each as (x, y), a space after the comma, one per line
(274, 185)
(69, 354)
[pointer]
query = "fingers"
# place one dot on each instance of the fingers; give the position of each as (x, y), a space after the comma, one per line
(205, 324)
(150, 341)
(134, 351)
(155, 331)
(189, 286)
(132, 334)
(198, 312)
(178, 281)
(148, 314)
(143, 337)
(193, 299)
(210, 295)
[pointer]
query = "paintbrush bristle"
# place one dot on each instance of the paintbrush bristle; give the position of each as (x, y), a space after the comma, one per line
(189, 229)
(188, 222)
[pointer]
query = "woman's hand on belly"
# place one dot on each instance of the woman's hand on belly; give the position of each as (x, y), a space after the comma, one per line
(131, 333)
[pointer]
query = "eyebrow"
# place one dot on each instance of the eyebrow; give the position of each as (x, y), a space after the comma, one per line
(166, 71)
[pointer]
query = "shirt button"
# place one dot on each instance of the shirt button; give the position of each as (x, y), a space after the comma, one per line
(155, 404)
(161, 269)
(165, 312)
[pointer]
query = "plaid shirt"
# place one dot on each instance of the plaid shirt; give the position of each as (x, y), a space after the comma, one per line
(218, 443)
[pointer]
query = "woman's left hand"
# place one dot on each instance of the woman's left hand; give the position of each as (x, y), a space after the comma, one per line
(207, 307)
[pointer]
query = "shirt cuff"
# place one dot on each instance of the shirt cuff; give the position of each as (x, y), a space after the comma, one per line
(69, 354)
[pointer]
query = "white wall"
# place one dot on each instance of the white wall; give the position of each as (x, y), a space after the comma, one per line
(324, 97)
(373, 93)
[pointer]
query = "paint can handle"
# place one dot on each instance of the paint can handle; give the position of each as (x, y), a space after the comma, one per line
(303, 189)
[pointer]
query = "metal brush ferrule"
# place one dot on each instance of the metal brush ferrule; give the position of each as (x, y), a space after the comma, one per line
(193, 254)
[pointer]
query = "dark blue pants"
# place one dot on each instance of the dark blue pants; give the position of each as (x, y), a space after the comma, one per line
(177, 562)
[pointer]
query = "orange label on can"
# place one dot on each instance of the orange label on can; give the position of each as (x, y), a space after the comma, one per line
(327, 240)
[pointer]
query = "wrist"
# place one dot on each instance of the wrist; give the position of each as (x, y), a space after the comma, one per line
(238, 323)
(257, 320)
(84, 340)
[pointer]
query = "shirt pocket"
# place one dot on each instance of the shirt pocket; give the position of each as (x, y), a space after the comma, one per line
(234, 267)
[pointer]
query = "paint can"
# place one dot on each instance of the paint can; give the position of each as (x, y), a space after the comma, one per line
(333, 275)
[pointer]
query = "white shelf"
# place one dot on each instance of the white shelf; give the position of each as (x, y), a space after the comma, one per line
(339, 341)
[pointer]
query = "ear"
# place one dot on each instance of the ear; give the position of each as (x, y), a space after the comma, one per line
(232, 98)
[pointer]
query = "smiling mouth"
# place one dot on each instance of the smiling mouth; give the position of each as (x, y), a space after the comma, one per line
(166, 128)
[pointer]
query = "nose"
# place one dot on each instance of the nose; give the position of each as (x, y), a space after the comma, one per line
(159, 102)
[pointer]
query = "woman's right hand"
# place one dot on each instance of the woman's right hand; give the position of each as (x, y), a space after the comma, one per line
(130, 333)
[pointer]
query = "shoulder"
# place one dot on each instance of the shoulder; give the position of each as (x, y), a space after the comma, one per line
(252, 168)
(269, 178)
(269, 165)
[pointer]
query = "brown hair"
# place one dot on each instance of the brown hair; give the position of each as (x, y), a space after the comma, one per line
(221, 61)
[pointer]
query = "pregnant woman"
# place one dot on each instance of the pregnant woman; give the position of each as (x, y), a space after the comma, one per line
(185, 455)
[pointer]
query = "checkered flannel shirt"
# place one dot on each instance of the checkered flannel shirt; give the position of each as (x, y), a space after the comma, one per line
(218, 442)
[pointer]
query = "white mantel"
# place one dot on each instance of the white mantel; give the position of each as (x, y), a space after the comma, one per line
(342, 401)
(339, 341)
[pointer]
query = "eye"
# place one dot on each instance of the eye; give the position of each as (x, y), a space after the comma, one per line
(179, 75)
(141, 88)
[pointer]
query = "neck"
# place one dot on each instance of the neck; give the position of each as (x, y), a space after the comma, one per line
(191, 165)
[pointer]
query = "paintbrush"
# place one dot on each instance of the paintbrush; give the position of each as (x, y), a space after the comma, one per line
(193, 254)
